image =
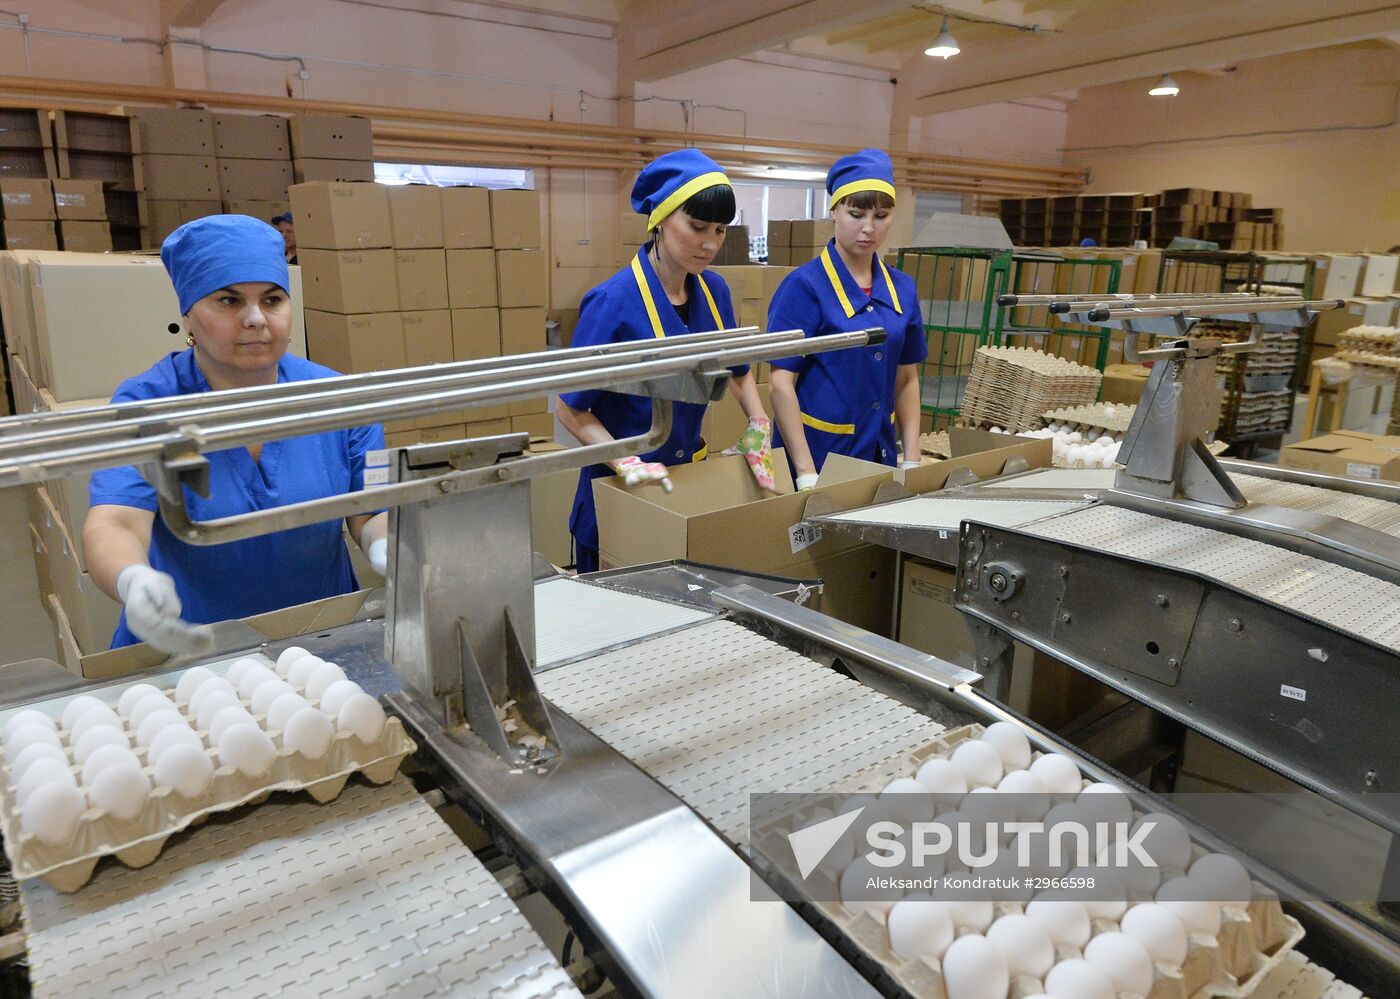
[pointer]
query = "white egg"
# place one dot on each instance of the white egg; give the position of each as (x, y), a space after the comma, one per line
(74, 709)
(91, 719)
(1189, 901)
(282, 709)
(1032, 800)
(1136, 876)
(362, 715)
(210, 706)
(190, 681)
(321, 678)
(1058, 773)
(1011, 744)
(133, 696)
(121, 789)
(37, 751)
(939, 777)
(983, 805)
(210, 687)
(236, 672)
(1024, 943)
(26, 716)
(1166, 842)
(1155, 927)
(998, 430)
(973, 914)
(267, 692)
(186, 768)
(857, 895)
(1107, 803)
(906, 800)
(1014, 887)
(99, 735)
(28, 735)
(1075, 437)
(157, 720)
(300, 670)
(1078, 979)
(104, 757)
(980, 763)
(1064, 919)
(919, 927)
(42, 772)
(1107, 899)
(253, 676)
(247, 748)
(53, 812)
(1074, 456)
(148, 706)
(973, 968)
(337, 694)
(1124, 960)
(172, 735)
(1225, 878)
(288, 656)
(227, 718)
(308, 732)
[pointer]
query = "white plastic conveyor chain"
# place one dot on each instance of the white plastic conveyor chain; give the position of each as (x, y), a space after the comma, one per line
(574, 618)
(947, 512)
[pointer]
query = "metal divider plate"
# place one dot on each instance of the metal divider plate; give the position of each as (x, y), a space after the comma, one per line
(368, 895)
(950, 511)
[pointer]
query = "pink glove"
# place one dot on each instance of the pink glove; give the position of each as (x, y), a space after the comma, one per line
(756, 445)
(636, 472)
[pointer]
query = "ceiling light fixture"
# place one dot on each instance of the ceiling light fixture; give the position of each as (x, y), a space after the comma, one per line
(945, 45)
(1166, 87)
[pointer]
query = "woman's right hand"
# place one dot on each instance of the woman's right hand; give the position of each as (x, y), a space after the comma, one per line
(153, 612)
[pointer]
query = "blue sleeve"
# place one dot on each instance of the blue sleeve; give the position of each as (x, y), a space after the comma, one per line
(915, 348)
(794, 307)
(724, 301)
(362, 440)
(123, 485)
(596, 327)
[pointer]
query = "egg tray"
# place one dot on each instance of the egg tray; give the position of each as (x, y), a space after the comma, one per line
(138, 841)
(1251, 942)
(1092, 417)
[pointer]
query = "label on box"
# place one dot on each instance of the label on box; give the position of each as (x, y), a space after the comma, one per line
(65, 200)
(377, 458)
(1296, 693)
(1361, 470)
(376, 477)
(22, 198)
(802, 536)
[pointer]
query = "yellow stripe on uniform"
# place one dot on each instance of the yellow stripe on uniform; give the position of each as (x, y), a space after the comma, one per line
(855, 186)
(656, 328)
(682, 194)
(714, 309)
(702, 454)
(831, 428)
(889, 283)
(835, 279)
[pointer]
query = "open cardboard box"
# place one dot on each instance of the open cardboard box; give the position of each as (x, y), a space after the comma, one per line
(1352, 453)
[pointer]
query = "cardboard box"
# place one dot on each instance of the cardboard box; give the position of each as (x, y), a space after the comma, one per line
(29, 235)
(1373, 311)
(632, 228)
(86, 237)
(341, 216)
(167, 216)
(247, 180)
(1124, 383)
(175, 131)
(30, 200)
(79, 199)
(331, 137)
(466, 217)
(528, 407)
(779, 233)
(515, 220)
(536, 425)
(355, 344)
(443, 434)
(415, 215)
(1378, 274)
(259, 208)
(350, 281)
(520, 279)
(1350, 453)
(181, 178)
(427, 337)
(96, 132)
(476, 333)
(251, 137)
(471, 279)
(522, 331)
(1336, 275)
(28, 163)
(1330, 324)
(551, 501)
(24, 128)
(780, 256)
(422, 279)
(92, 615)
(332, 171)
(811, 232)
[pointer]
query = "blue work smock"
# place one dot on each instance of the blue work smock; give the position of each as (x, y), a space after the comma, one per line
(256, 575)
(847, 396)
(632, 305)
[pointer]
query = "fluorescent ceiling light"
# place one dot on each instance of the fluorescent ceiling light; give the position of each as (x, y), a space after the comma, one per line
(1166, 87)
(945, 45)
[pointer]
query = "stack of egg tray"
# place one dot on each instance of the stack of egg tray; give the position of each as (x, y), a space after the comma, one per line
(1251, 942)
(1263, 411)
(1011, 387)
(1102, 416)
(1384, 340)
(936, 445)
(138, 841)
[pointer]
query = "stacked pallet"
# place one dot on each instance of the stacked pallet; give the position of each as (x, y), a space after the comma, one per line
(1012, 387)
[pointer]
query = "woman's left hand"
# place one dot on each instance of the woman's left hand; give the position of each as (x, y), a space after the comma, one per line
(756, 445)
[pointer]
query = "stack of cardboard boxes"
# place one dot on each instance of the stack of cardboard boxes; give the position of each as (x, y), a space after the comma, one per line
(254, 163)
(1227, 218)
(795, 241)
(103, 150)
(407, 276)
(331, 148)
(27, 215)
(1370, 286)
(180, 168)
(26, 144)
(751, 289)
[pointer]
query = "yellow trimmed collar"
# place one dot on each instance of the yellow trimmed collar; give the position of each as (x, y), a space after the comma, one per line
(644, 275)
(845, 288)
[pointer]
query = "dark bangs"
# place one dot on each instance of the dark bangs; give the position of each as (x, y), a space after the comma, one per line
(713, 204)
(864, 201)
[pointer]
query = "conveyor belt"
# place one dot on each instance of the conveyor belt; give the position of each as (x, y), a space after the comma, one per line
(1056, 478)
(575, 619)
(717, 713)
(369, 895)
(1344, 598)
(1378, 515)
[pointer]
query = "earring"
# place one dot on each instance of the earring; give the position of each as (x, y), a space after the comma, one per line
(189, 339)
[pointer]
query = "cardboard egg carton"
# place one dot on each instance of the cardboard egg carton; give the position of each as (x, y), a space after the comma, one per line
(1093, 416)
(1011, 387)
(1370, 340)
(138, 841)
(1250, 943)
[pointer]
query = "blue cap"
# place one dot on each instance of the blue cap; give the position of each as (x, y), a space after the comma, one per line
(867, 170)
(284, 217)
(670, 180)
(218, 251)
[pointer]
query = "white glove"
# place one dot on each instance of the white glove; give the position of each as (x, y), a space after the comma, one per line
(908, 464)
(805, 482)
(636, 472)
(153, 612)
(378, 555)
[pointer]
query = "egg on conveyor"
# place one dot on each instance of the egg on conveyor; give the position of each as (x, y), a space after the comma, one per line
(1155, 927)
(252, 678)
(362, 715)
(148, 706)
(209, 707)
(1108, 899)
(857, 895)
(288, 656)
(919, 927)
(190, 681)
(157, 720)
(1058, 773)
(42, 772)
(1135, 875)
(1189, 901)
(980, 763)
(309, 732)
(239, 669)
(1166, 841)
(29, 734)
(973, 968)
(321, 678)
(133, 696)
(1078, 979)
(282, 709)
(337, 694)
(1124, 960)
(906, 800)
(1024, 943)
(973, 914)
(104, 757)
(300, 671)
(1226, 878)
(186, 768)
(36, 751)
(226, 719)
(1010, 743)
(25, 717)
(941, 777)
(210, 687)
(121, 789)
(248, 749)
(1064, 919)
(1032, 800)
(74, 709)
(93, 738)
(170, 736)
(267, 692)
(1107, 803)
(92, 718)
(52, 813)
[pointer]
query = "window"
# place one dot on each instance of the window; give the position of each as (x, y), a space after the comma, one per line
(453, 176)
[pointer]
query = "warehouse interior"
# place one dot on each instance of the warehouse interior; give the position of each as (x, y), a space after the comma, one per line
(581, 678)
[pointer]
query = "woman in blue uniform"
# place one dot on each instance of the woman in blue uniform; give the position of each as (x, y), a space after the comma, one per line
(230, 275)
(854, 401)
(688, 203)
